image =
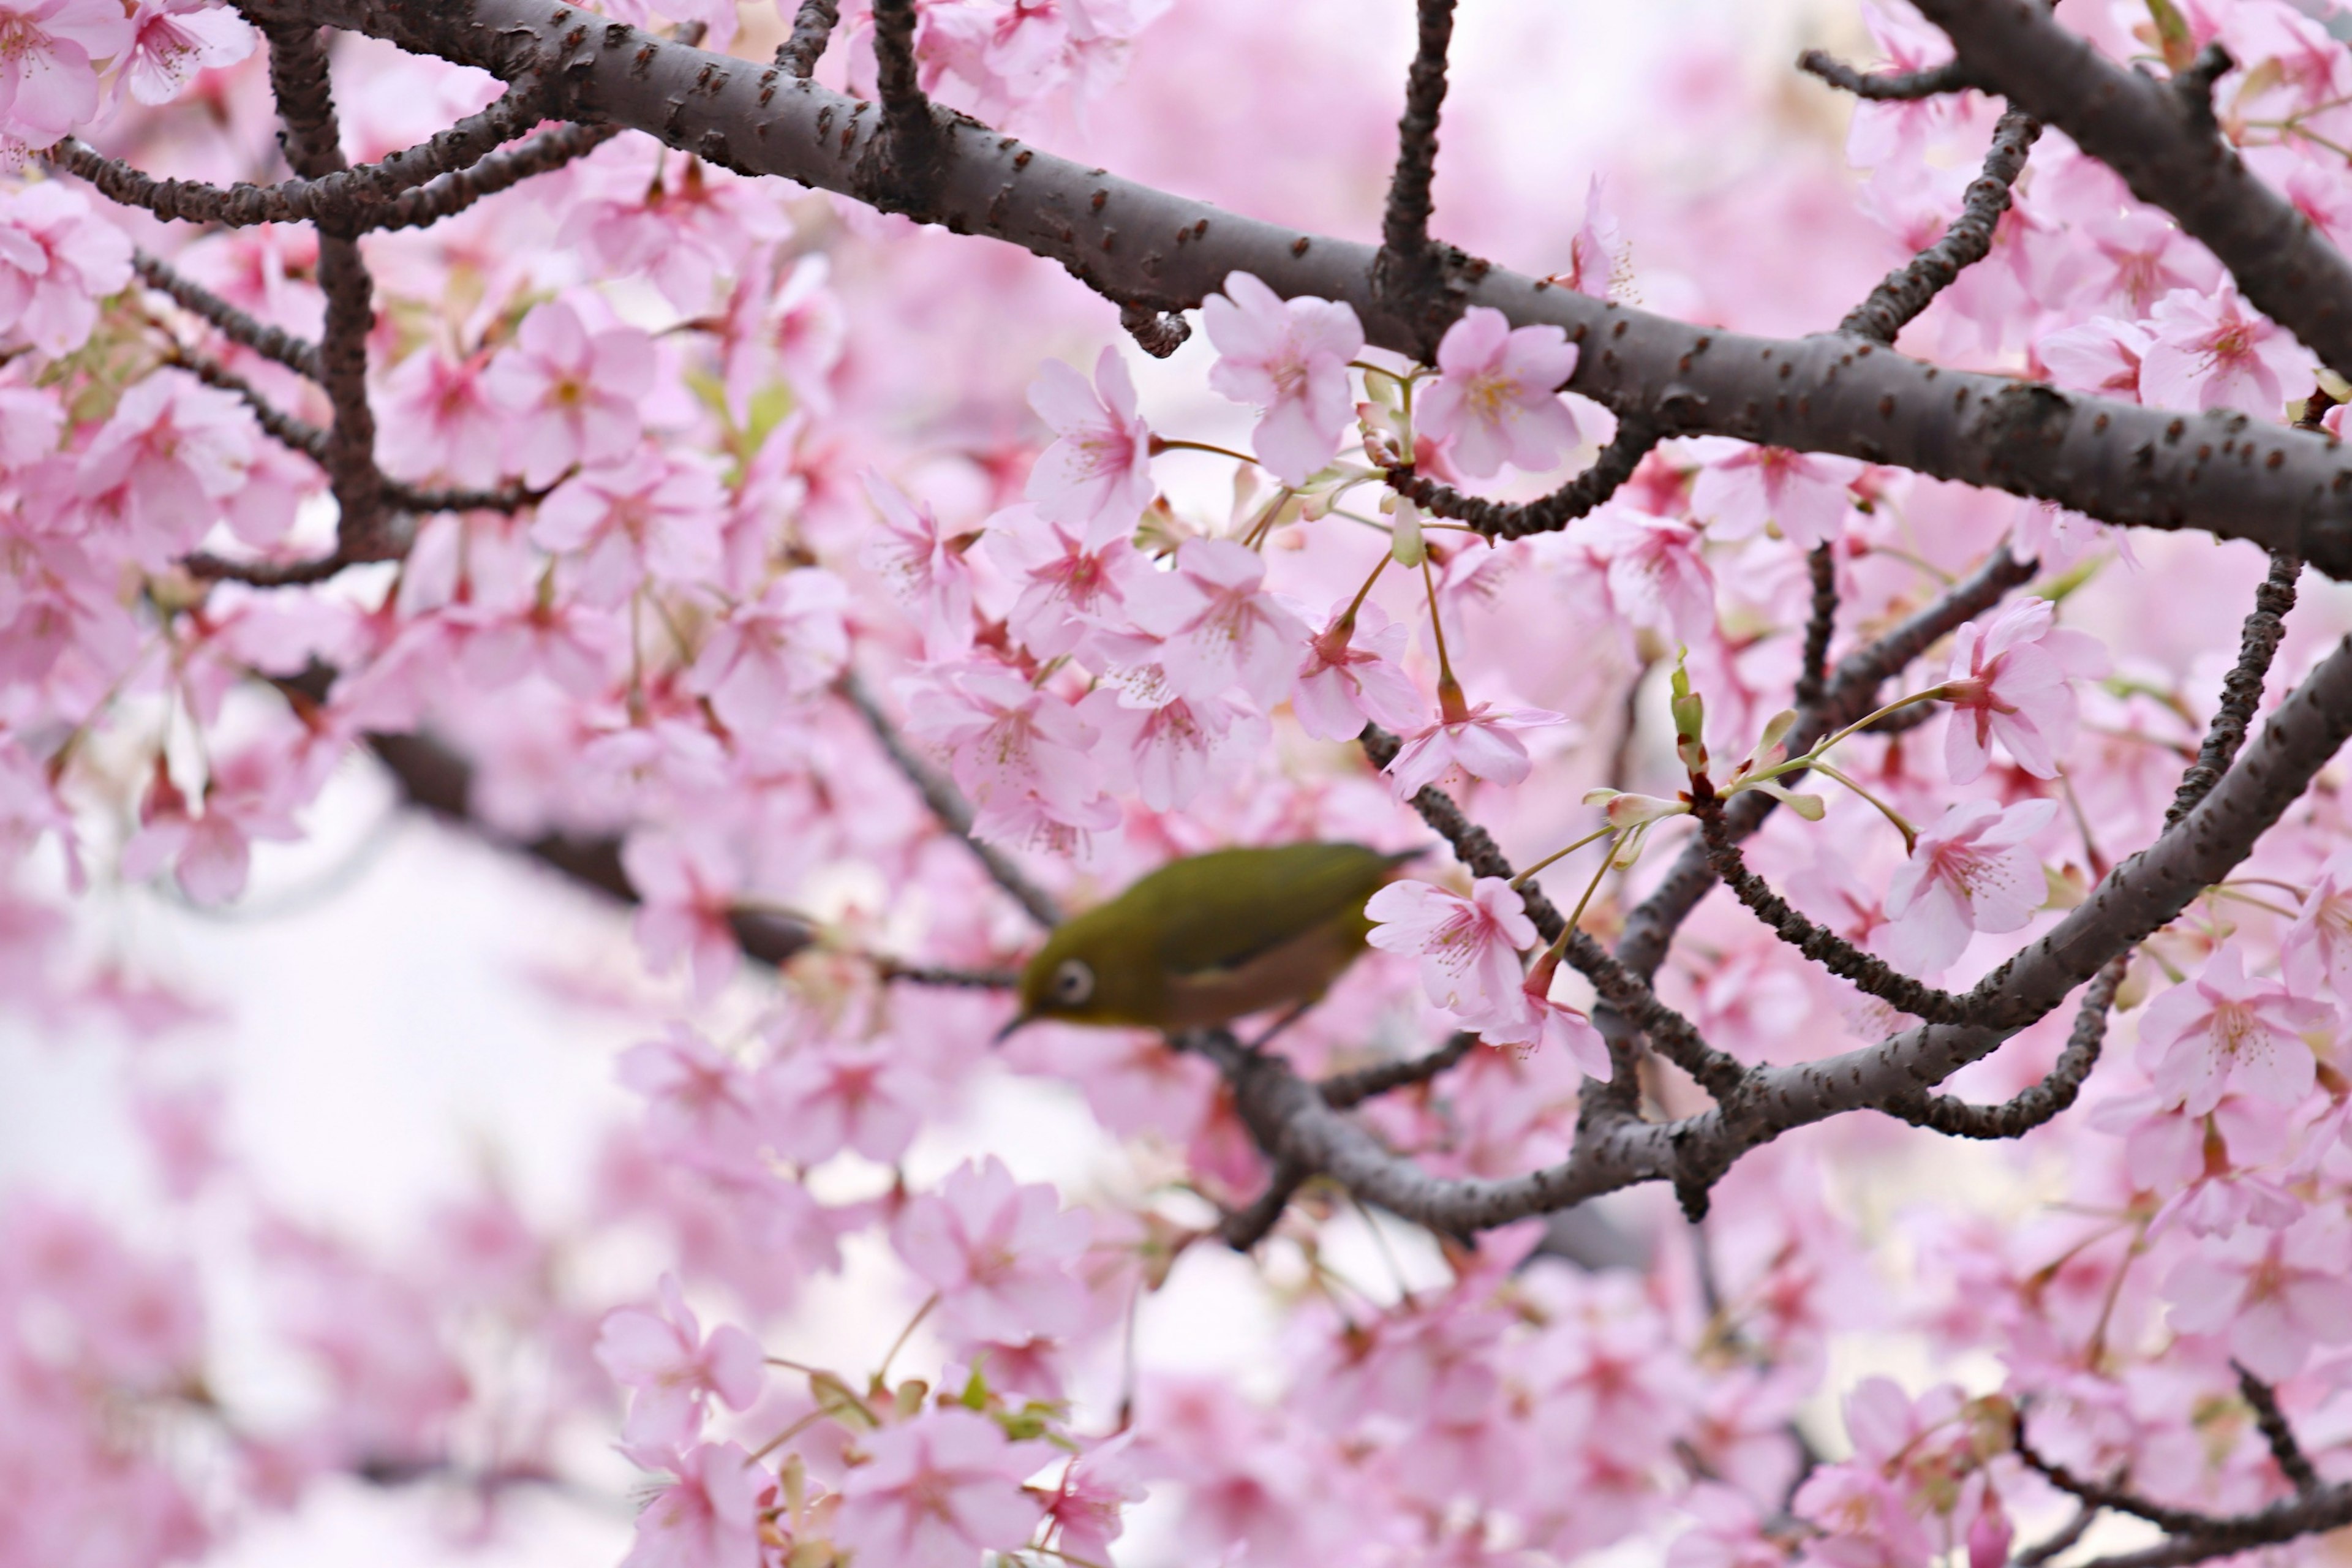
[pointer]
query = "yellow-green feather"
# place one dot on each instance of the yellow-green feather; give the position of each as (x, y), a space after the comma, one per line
(1195, 918)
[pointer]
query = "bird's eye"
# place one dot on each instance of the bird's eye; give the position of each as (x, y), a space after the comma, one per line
(1074, 982)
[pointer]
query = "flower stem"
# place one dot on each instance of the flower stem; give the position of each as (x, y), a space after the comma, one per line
(1176, 444)
(1450, 705)
(1910, 834)
(1602, 831)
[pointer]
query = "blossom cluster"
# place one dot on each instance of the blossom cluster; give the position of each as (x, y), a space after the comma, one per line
(802, 547)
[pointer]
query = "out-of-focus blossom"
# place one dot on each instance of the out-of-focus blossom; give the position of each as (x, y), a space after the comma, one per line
(2223, 1029)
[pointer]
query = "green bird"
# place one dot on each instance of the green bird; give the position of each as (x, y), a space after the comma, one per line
(1210, 937)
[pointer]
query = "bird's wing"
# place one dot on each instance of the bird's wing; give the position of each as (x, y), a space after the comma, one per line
(1296, 888)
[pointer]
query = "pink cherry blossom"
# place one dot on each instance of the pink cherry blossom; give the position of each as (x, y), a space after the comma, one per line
(2272, 1294)
(2008, 682)
(573, 645)
(708, 1516)
(1482, 742)
(210, 852)
(673, 1372)
(574, 393)
(57, 260)
(1084, 1512)
(2213, 351)
(922, 567)
(691, 884)
(1557, 1028)
(1495, 396)
(49, 48)
(1012, 748)
(703, 1105)
(1657, 574)
(793, 331)
(2101, 355)
(690, 229)
(764, 655)
(1899, 132)
(1229, 630)
(1600, 262)
(999, 1254)
(2318, 948)
(172, 40)
(2223, 1029)
(438, 421)
(1066, 586)
(646, 517)
(1166, 755)
(1973, 870)
(822, 1098)
(1468, 948)
(938, 1492)
(1096, 475)
(174, 453)
(1290, 359)
(1351, 675)
(1742, 488)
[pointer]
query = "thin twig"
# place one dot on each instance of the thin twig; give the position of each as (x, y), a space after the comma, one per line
(297, 354)
(2029, 1107)
(1637, 434)
(1341, 1090)
(2288, 1454)
(1245, 1227)
(1885, 86)
(2241, 688)
(947, 805)
(1812, 673)
(1912, 288)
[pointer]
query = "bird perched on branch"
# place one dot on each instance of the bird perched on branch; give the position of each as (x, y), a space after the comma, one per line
(1210, 937)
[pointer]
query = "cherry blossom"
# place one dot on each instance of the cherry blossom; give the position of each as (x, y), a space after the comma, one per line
(2224, 1028)
(923, 567)
(172, 40)
(2009, 681)
(673, 1372)
(763, 655)
(48, 83)
(56, 261)
(210, 851)
(1290, 359)
(822, 1098)
(439, 422)
(2102, 355)
(1068, 587)
(1020, 752)
(573, 392)
(708, 1516)
(1226, 629)
(1166, 753)
(1973, 870)
(1742, 488)
(704, 1104)
(173, 456)
(1469, 948)
(1496, 394)
(646, 517)
(2216, 352)
(1096, 475)
(938, 1489)
(2274, 1294)
(998, 1253)
(690, 886)
(1351, 675)
(1656, 575)
(2318, 948)
(1482, 742)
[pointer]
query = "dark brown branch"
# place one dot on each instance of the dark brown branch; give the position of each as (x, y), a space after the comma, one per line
(299, 435)
(2128, 464)
(1409, 268)
(812, 30)
(2241, 688)
(1341, 1090)
(1912, 288)
(2286, 1452)
(1814, 671)
(1871, 974)
(2072, 1531)
(951, 979)
(1637, 434)
(902, 166)
(337, 194)
(947, 805)
(297, 354)
(1885, 86)
(2032, 1107)
(2242, 1528)
(1245, 1227)
(2163, 143)
(453, 193)
(299, 77)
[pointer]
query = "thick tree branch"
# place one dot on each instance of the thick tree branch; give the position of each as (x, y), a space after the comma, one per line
(1912, 286)
(2225, 474)
(1341, 1090)
(813, 27)
(2163, 141)
(1409, 270)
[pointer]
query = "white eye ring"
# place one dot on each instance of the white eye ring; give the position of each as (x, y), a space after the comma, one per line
(1074, 982)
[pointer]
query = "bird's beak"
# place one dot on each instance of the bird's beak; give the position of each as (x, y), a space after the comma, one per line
(1010, 1024)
